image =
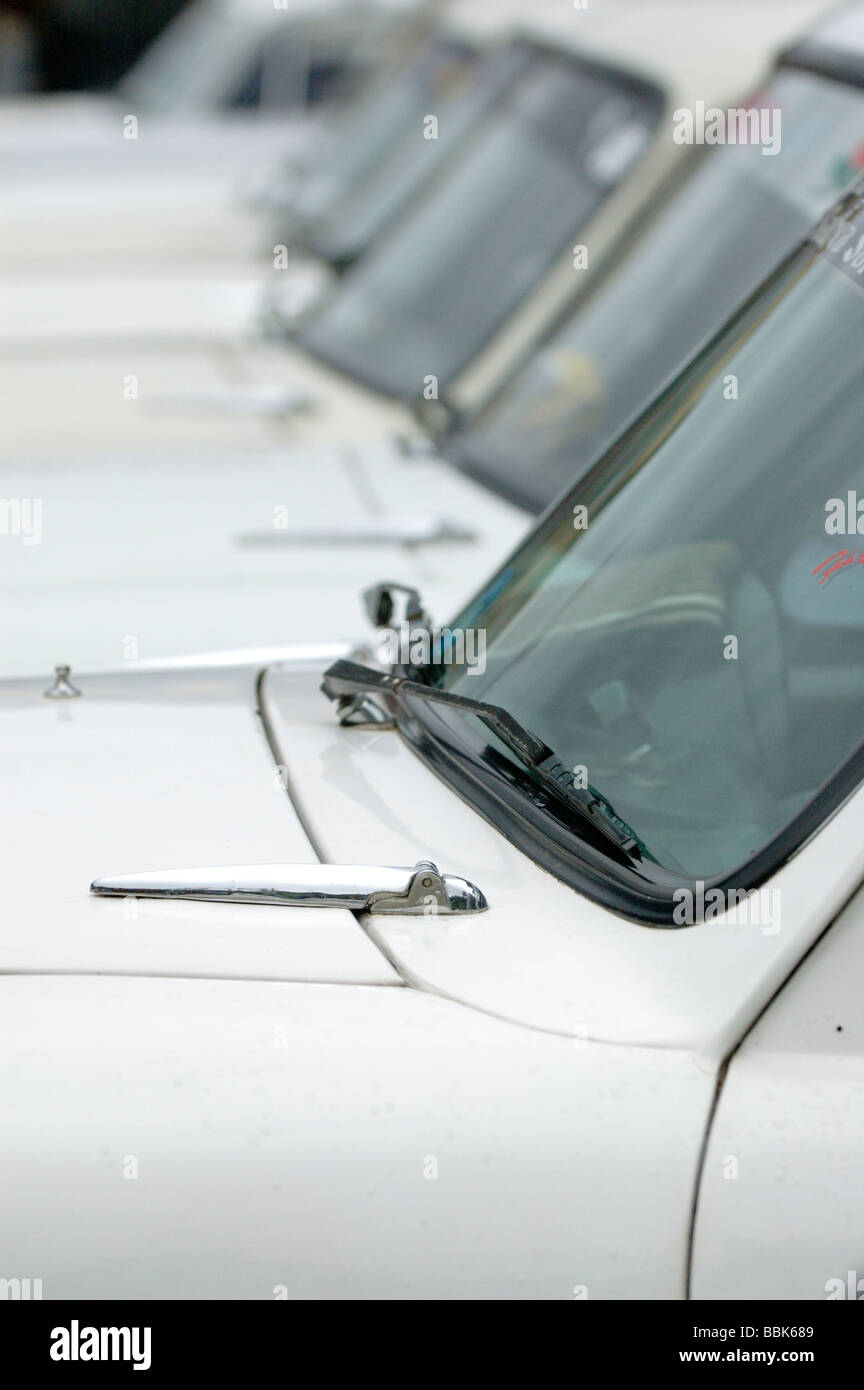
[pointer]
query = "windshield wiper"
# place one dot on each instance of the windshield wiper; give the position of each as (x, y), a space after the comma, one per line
(345, 680)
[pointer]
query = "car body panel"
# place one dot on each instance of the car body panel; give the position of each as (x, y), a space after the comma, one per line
(139, 397)
(779, 1213)
(204, 550)
(271, 1109)
(214, 1139)
(174, 769)
(115, 399)
(181, 191)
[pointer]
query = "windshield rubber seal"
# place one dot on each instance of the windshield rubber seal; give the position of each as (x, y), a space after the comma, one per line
(517, 806)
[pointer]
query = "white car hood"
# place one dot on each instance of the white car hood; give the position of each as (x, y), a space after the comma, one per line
(178, 769)
(183, 189)
(237, 1095)
(120, 397)
(150, 771)
(146, 557)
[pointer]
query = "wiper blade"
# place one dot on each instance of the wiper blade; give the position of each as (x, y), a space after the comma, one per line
(344, 680)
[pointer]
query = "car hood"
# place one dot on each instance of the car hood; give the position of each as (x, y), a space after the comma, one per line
(245, 766)
(141, 557)
(146, 771)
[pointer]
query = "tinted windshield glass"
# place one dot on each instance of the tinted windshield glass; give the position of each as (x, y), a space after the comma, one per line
(426, 300)
(386, 149)
(697, 648)
(738, 215)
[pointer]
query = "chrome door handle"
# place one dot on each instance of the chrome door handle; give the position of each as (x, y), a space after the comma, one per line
(359, 887)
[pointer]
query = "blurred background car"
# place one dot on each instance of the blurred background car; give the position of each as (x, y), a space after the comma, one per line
(230, 535)
(471, 272)
(215, 53)
(166, 164)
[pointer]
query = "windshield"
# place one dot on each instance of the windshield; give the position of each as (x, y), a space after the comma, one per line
(424, 301)
(692, 643)
(733, 221)
(196, 60)
(385, 149)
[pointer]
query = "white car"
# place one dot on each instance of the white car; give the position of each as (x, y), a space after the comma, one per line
(535, 977)
(213, 295)
(139, 556)
(607, 169)
(164, 166)
(380, 155)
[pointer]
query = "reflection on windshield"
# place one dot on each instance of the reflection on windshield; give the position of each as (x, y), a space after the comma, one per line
(681, 646)
(736, 218)
(422, 304)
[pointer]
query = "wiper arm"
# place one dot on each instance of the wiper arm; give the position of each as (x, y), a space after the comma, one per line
(345, 680)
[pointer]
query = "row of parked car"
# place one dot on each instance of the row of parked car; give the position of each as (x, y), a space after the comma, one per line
(438, 509)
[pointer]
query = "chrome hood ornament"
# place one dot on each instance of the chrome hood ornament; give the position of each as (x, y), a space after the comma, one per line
(413, 892)
(62, 689)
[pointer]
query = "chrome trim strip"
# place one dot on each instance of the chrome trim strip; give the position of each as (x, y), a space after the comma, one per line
(396, 530)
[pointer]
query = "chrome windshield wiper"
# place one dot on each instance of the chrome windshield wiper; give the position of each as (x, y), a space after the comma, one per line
(344, 681)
